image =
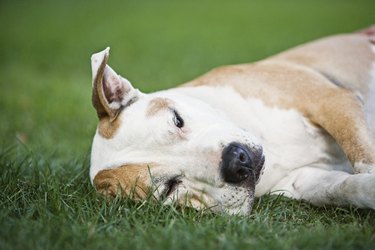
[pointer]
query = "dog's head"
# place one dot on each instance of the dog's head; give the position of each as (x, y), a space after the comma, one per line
(171, 145)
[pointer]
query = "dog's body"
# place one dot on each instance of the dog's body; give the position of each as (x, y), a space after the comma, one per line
(309, 112)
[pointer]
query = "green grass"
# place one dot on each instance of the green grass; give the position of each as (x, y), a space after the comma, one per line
(47, 122)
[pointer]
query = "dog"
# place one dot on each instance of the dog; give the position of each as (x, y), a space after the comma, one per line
(300, 123)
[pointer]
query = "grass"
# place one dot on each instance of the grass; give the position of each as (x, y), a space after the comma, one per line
(47, 121)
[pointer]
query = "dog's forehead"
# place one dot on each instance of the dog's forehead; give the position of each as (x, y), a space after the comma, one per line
(158, 104)
(177, 99)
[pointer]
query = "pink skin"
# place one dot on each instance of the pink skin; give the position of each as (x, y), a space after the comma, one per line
(370, 32)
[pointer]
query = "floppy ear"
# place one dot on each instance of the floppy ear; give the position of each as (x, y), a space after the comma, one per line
(110, 92)
(129, 180)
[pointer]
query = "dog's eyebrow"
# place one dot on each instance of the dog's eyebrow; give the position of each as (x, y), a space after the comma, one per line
(158, 104)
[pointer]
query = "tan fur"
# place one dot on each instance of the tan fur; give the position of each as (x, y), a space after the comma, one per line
(99, 100)
(156, 105)
(302, 79)
(128, 180)
(108, 122)
(343, 59)
(326, 80)
(108, 128)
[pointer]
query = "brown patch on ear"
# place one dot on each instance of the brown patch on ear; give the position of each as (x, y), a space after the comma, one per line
(108, 128)
(98, 96)
(101, 97)
(129, 181)
(156, 105)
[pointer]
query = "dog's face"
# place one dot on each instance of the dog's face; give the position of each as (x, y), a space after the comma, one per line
(175, 147)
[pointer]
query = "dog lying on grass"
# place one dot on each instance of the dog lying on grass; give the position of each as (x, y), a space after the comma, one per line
(300, 123)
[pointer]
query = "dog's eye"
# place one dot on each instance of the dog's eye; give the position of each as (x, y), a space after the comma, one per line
(171, 185)
(178, 121)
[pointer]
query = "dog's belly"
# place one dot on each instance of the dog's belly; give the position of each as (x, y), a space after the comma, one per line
(289, 140)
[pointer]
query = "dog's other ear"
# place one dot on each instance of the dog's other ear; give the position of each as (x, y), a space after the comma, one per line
(110, 92)
(128, 180)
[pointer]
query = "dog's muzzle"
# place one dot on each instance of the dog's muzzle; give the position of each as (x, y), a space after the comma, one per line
(241, 163)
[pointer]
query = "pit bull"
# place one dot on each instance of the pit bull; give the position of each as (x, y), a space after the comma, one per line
(300, 123)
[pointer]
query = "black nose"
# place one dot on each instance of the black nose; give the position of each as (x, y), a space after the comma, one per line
(240, 163)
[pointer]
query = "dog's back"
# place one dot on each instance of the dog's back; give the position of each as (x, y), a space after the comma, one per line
(345, 60)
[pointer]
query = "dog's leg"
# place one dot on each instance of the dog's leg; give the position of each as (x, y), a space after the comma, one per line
(346, 61)
(324, 187)
(341, 114)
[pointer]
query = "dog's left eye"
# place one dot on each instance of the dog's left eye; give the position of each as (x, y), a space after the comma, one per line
(178, 121)
(171, 185)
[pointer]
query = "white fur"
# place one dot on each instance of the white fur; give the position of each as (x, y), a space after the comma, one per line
(288, 139)
(289, 142)
(302, 161)
(96, 60)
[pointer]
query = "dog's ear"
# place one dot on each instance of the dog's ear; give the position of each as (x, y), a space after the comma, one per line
(128, 180)
(110, 92)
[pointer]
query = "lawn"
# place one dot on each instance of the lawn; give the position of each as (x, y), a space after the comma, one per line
(47, 122)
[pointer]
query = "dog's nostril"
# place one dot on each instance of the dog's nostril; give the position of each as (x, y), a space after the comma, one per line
(242, 173)
(242, 157)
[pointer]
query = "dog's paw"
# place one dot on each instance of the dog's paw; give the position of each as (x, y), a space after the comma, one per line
(364, 168)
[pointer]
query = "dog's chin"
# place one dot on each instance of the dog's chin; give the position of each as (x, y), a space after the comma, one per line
(243, 209)
(244, 194)
(235, 199)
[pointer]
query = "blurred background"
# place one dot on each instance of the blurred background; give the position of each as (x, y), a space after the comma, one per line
(45, 48)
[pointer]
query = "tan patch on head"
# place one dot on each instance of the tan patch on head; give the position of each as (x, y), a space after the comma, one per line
(108, 128)
(158, 104)
(129, 180)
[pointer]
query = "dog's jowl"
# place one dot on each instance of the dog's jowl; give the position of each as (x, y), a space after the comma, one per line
(299, 123)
